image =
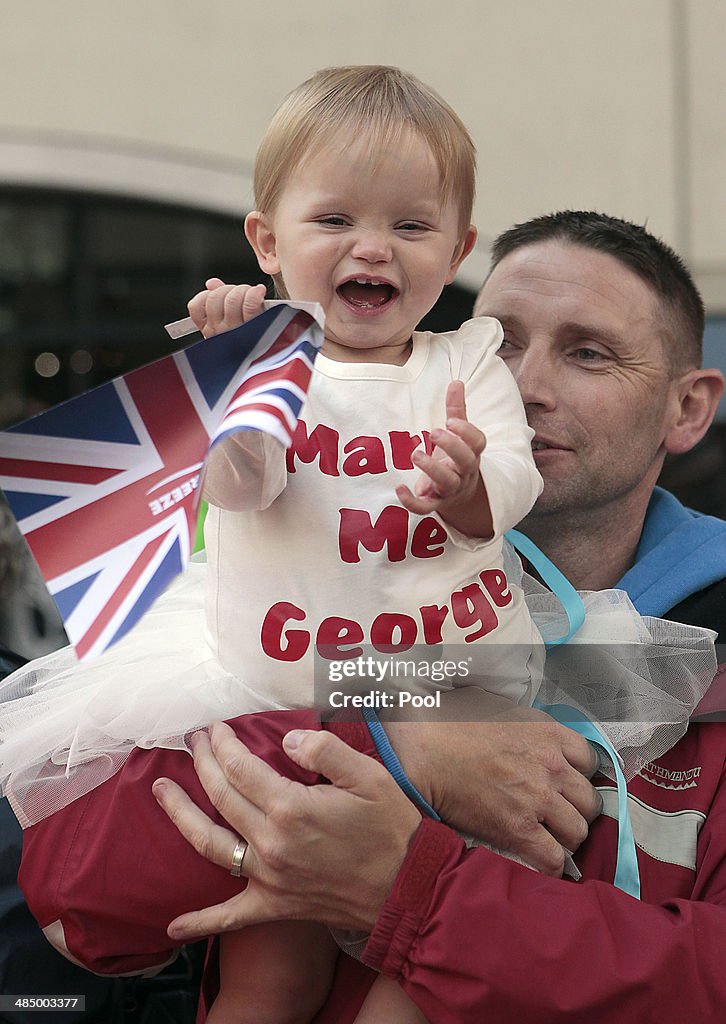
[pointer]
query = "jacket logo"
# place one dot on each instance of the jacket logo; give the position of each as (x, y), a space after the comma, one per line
(666, 779)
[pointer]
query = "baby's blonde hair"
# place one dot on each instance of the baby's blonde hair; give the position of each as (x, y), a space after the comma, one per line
(384, 102)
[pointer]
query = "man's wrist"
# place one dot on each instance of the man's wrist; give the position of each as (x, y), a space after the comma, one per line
(398, 923)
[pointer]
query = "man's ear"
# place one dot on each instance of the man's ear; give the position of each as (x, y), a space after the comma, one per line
(461, 252)
(261, 237)
(699, 392)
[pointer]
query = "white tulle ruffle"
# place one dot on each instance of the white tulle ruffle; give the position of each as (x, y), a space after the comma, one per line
(66, 727)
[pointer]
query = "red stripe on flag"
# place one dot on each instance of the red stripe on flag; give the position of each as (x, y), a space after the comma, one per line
(297, 371)
(273, 410)
(180, 439)
(294, 330)
(120, 593)
(73, 474)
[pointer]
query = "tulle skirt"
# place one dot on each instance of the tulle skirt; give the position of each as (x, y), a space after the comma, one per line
(67, 726)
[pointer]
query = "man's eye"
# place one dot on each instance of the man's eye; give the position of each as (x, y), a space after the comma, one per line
(589, 355)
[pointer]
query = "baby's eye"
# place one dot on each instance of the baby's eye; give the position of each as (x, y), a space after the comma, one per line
(411, 225)
(334, 220)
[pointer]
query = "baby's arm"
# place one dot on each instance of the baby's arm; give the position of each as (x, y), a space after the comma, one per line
(245, 472)
(496, 429)
(452, 484)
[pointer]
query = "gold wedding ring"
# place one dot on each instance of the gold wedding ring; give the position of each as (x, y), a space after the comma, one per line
(238, 858)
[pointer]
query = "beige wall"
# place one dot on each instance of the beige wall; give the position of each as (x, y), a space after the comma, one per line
(619, 106)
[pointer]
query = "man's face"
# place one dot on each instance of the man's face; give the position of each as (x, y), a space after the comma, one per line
(584, 342)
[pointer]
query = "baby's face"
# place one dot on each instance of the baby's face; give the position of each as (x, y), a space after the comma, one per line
(367, 236)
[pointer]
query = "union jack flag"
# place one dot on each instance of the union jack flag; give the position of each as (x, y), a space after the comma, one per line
(105, 487)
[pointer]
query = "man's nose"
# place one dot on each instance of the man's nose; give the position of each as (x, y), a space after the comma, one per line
(536, 374)
(373, 246)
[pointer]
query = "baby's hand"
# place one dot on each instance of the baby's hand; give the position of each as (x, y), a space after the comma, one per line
(452, 484)
(221, 307)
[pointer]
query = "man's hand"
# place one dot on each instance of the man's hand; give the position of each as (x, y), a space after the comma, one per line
(222, 307)
(316, 853)
(518, 780)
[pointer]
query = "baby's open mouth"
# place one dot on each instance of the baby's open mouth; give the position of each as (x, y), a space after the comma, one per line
(367, 294)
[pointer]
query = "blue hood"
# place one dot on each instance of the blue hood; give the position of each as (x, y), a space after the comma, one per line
(680, 553)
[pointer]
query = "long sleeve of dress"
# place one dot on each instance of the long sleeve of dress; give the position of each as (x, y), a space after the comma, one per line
(245, 472)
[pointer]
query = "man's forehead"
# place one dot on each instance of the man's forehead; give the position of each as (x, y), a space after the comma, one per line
(569, 280)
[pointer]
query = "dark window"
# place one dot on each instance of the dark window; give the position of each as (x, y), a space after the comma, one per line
(87, 282)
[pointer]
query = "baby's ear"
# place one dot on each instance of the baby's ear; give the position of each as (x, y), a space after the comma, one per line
(462, 250)
(261, 237)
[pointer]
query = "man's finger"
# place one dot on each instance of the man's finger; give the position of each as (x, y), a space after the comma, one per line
(566, 824)
(543, 852)
(244, 789)
(580, 754)
(583, 797)
(256, 905)
(212, 841)
(233, 804)
(329, 756)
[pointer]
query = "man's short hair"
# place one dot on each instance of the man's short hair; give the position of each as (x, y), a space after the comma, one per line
(352, 102)
(654, 262)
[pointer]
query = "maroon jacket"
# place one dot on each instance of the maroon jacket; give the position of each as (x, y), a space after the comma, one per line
(470, 935)
(474, 937)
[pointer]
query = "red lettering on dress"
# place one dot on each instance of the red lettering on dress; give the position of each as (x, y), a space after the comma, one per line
(356, 529)
(384, 627)
(403, 445)
(469, 607)
(433, 617)
(367, 456)
(497, 587)
(278, 643)
(428, 538)
(334, 632)
(322, 443)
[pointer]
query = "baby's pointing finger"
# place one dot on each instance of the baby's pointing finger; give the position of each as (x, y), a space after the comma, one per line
(455, 400)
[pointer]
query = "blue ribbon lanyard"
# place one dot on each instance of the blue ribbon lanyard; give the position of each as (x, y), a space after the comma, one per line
(627, 876)
(558, 583)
